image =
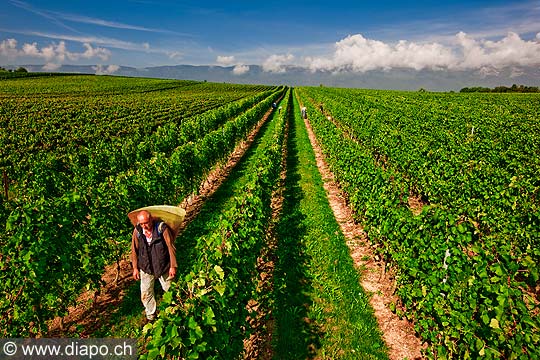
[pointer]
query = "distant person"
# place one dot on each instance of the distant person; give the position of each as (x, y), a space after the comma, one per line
(279, 109)
(274, 106)
(153, 256)
(304, 114)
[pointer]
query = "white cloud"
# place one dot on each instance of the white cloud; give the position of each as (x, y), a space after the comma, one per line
(486, 71)
(225, 60)
(8, 48)
(31, 50)
(516, 72)
(240, 69)
(105, 70)
(509, 51)
(51, 67)
(277, 63)
(53, 53)
(175, 55)
(356, 53)
(92, 52)
(360, 54)
(104, 41)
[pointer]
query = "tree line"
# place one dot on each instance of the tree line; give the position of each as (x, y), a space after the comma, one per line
(20, 69)
(502, 89)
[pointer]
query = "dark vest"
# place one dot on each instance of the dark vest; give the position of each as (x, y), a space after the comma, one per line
(153, 258)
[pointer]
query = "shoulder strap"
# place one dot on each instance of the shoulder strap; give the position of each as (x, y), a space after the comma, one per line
(161, 226)
(139, 230)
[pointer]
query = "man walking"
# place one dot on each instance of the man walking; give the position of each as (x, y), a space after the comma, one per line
(153, 256)
(304, 114)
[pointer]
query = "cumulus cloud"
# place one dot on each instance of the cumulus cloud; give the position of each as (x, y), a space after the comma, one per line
(53, 53)
(357, 53)
(225, 60)
(509, 51)
(8, 48)
(240, 69)
(51, 67)
(91, 52)
(105, 70)
(277, 63)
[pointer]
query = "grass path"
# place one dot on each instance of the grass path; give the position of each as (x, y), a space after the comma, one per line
(321, 311)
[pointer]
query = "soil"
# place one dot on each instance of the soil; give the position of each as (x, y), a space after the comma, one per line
(398, 334)
(416, 204)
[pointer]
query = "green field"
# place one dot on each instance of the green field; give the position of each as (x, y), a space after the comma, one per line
(445, 185)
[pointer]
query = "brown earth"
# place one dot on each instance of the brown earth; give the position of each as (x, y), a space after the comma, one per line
(398, 334)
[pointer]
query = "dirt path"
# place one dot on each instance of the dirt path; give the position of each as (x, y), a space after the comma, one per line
(397, 333)
(91, 311)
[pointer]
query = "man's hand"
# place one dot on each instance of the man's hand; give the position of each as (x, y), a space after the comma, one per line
(136, 275)
(172, 272)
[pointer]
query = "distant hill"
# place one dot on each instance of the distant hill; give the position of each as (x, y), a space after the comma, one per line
(399, 79)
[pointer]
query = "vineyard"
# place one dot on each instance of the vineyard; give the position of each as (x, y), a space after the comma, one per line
(76, 163)
(446, 187)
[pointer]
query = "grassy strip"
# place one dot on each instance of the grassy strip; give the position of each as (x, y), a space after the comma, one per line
(320, 308)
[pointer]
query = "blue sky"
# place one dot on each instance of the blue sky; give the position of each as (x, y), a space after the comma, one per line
(330, 35)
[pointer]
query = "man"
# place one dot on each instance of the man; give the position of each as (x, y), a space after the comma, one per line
(153, 256)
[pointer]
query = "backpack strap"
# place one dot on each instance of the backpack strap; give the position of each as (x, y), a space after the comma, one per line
(161, 226)
(139, 230)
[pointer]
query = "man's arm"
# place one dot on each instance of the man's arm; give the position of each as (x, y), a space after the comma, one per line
(134, 247)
